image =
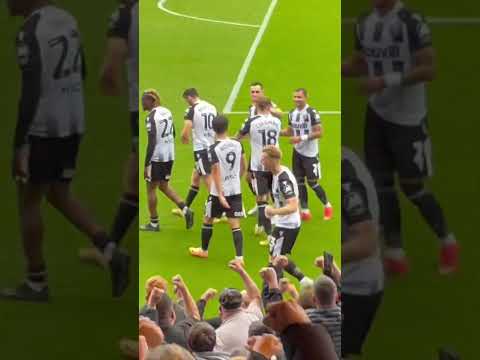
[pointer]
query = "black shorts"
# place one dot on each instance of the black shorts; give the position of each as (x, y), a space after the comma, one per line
(52, 159)
(305, 167)
(213, 208)
(392, 148)
(160, 171)
(283, 241)
(134, 130)
(203, 165)
(358, 313)
(262, 182)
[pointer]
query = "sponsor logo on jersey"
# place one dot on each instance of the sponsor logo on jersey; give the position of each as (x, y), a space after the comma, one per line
(389, 52)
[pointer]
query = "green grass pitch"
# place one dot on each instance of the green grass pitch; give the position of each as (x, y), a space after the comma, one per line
(300, 48)
(425, 311)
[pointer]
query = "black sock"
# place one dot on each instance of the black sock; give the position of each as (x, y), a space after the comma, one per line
(192, 193)
(207, 231)
(126, 212)
(432, 213)
(238, 241)
(37, 276)
(181, 205)
(302, 194)
(262, 219)
(154, 221)
(390, 218)
(320, 192)
(101, 240)
(293, 270)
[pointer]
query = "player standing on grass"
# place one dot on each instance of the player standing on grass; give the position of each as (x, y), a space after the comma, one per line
(49, 129)
(198, 122)
(393, 49)
(285, 214)
(256, 93)
(121, 50)
(304, 130)
(228, 167)
(159, 159)
(263, 129)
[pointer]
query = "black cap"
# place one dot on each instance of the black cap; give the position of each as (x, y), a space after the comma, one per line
(231, 299)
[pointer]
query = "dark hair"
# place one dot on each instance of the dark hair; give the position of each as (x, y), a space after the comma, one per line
(231, 299)
(164, 309)
(258, 328)
(190, 92)
(302, 90)
(220, 124)
(202, 337)
(257, 83)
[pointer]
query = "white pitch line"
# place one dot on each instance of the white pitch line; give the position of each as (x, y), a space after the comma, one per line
(161, 6)
(437, 20)
(320, 112)
(248, 60)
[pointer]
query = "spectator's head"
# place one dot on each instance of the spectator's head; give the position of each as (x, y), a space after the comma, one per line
(325, 292)
(258, 328)
(271, 157)
(230, 302)
(155, 282)
(202, 337)
(191, 96)
(306, 298)
(166, 312)
(169, 352)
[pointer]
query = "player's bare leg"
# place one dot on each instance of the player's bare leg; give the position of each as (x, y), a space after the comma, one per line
(321, 194)
(237, 238)
(207, 232)
(152, 207)
(173, 196)
(31, 227)
(431, 211)
(284, 262)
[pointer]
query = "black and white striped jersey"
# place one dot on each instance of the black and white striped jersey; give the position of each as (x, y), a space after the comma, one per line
(227, 154)
(284, 187)
(389, 44)
(359, 204)
(302, 121)
(161, 135)
(50, 56)
(263, 130)
(201, 115)
(124, 25)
